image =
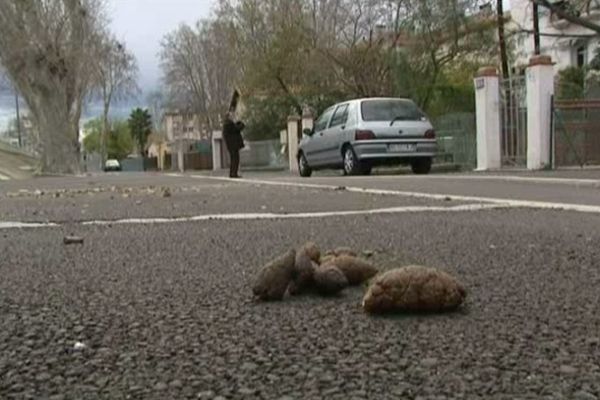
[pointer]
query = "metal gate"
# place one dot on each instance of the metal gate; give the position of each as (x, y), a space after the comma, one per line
(457, 139)
(513, 116)
(576, 133)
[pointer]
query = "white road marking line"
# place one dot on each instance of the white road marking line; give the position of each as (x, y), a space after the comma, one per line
(306, 215)
(23, 225)
(507, 178)
(423, 195)
(264, 216)
(4, 178)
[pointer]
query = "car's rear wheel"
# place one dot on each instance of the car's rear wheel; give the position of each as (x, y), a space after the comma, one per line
(303, 168)
(352, 164)
(421, 166)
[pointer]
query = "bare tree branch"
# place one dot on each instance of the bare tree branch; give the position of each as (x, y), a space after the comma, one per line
(556, 35)
(569, 16)
(115, 73)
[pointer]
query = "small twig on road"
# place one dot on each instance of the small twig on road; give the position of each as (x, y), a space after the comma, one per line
(68, 240)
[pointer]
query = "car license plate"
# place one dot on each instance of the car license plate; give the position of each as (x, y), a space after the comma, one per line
(402, 148)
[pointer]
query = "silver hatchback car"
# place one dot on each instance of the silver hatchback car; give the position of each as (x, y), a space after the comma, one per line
(358, 135)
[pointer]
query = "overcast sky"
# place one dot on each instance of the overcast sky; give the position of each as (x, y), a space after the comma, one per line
(143, 23)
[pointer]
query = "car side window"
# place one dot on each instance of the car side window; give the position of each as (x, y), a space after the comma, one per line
(351, 112)
(340, 116)
(321, 123)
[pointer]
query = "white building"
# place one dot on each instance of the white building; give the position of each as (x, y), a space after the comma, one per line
(568, 44)
(178, 125)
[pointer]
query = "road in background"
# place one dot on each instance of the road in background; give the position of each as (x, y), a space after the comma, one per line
(561, 187)
(163, 306)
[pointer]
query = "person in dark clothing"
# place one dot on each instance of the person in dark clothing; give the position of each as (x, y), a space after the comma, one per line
(232, 133)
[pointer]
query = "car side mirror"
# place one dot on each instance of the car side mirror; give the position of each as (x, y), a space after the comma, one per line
(308, 131)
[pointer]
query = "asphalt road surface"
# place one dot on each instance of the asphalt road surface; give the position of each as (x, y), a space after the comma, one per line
(156, 304)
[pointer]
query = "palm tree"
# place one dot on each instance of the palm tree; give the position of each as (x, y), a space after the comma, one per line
(140, 126)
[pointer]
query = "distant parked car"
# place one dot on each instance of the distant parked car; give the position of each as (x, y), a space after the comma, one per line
(360, 134)
(112, 165)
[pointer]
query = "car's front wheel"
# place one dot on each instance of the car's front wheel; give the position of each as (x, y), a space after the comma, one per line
(303, 168)
(421, 166)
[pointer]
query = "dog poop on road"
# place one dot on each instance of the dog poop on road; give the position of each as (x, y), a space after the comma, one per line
(413, 289)
(408, 289)
(275, 277)
(307, 272)
(329, 280)
(356, 270)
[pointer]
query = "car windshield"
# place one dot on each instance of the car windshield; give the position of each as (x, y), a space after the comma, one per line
(390, 110)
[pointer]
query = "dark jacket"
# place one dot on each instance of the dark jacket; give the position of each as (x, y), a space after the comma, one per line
(232, 133)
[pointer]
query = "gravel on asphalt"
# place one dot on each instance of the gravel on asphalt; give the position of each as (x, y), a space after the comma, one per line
(165, 312)
(103, 202)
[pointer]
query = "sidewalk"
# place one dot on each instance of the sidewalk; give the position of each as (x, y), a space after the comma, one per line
(590, 172)
(15, 166)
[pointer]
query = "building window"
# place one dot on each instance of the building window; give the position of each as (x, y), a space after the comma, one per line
(580, 56)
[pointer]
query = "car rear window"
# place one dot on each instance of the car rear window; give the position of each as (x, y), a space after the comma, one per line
(389, 110)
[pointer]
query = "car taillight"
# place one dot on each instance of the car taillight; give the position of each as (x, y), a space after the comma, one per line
(430, 134)
(364, 135)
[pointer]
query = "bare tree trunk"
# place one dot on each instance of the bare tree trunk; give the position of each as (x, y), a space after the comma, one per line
(58, 136)
(46, 47)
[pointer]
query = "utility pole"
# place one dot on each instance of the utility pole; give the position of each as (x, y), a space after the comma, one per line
(502, 39)
(536, 28)
(18, 119)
